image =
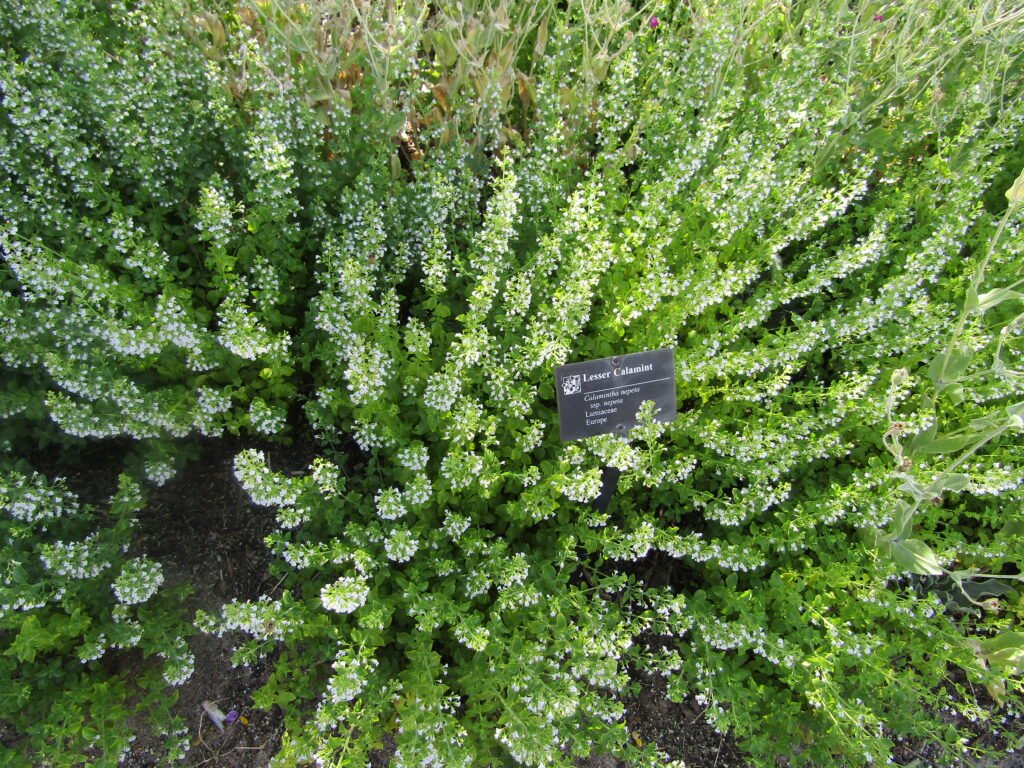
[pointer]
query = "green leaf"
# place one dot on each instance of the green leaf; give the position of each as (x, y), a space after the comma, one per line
(903, 519)
(947, 443)
(995, 298)
(955, 483)
(916, 557)
(948, 367)
(978, 590)
(31, 639)
(972, 302)
(926, 436)
(443, 48)
(1004, 650)
(1011, 528)
(914, 488)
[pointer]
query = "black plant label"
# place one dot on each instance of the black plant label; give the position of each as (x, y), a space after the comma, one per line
(601, 396)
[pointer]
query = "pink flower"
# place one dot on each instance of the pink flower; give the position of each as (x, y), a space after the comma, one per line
(879, 17)
(653, 22)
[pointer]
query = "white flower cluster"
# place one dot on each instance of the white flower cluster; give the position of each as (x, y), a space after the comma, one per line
(175, 326)
(148, 258)
(462, 469)
(401, 545)
(518, 597)
(413, 457)
(34, 498)
(389, 504)
(28, 600)
(160, 470)
(475, 638)
(266, 488)
(431, 735)
(476, 583)
(137, 251)
(292, 517)
(265, 419)
(138, 581)
(526, 745)
(92, 649)
(436, 261)
(300, 556)
(344, 595)
(128, 498)
(417, 491)
(75, 559)
(417, 338)
(350, 677)
(511, 571)
(266, 283)
(120, 412)
(273, 171)
(215, 213)
(368, 435)
(176, 744)
(517, 296)
(443, 389)
(490, 252)
(180, 663)
(455, 525)
(241, 332)
(368, 372)
(634, 544)
(128, 633)
(326, 474)
(264, 618)
(583, 487)
(211, 404)
(464, 421)
(470, 348)
(744, 555)
(735, 635)
(753, 499)
(531, 436)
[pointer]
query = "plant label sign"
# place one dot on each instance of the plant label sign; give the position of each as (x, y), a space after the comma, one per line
(600, 396)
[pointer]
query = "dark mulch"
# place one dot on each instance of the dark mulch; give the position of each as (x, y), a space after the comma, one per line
(204, 531)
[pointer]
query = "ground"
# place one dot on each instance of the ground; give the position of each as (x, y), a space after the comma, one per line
(202, 527)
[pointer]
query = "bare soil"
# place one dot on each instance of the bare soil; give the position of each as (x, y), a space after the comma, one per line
(204, 531)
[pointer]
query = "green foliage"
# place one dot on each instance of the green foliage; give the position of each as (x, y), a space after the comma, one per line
(69, 600)
(395, 223)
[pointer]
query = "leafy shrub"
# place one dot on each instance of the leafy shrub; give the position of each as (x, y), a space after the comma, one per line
(69, 602)
(729, 210)
(796, 199)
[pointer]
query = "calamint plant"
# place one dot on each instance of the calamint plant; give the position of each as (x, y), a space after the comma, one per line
(388, 224)
(70, 603)
(797, 239)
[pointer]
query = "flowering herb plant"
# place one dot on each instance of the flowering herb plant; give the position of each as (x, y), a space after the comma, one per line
(317, 214)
